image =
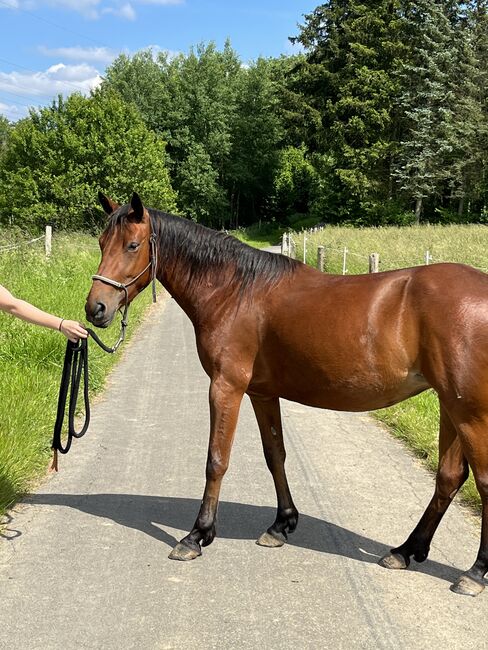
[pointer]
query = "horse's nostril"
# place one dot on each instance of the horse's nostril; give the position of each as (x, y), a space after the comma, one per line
(100, 310)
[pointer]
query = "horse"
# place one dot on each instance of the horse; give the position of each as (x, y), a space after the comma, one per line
(272, 327)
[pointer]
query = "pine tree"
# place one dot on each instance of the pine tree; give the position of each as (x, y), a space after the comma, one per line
(352, 48)
(427, 103)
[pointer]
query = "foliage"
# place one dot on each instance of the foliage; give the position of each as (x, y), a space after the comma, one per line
(31, 358)
(56, 160)
(382, 119)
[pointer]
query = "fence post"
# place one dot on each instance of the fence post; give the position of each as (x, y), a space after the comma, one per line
(374, 263)
(47, 240)
(427, 257)
(320, 258)
(304, 247)
(292, 247)
(284, 247)
(344, 262)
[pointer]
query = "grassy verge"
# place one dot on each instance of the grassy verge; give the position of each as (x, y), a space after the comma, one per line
(397, 247)
(415, 421)
(31, 357)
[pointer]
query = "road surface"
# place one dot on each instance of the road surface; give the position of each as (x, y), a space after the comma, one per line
(83, 562)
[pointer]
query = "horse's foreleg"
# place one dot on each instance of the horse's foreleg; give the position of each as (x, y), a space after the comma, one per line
(451, 474)
(224, 410)
(269, 421)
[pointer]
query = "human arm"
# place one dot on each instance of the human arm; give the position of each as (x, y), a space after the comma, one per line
(24, 310)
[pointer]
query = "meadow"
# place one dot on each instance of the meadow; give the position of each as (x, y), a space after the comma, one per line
(416, 420)
(31, 357)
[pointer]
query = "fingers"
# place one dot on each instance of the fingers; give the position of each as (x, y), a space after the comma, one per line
(73, 330)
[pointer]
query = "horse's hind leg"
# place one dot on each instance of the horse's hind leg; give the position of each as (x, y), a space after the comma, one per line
(474, 435)
(269, 420)
(451, 474)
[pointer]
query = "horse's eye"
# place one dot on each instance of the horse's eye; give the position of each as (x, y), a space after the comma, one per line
(133, 246)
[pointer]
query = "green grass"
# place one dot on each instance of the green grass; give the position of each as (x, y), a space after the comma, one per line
(260, 235)
(31, 357)
(397, 247)
(415, 421)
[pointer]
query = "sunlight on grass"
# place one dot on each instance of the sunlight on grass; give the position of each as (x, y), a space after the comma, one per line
(31, 358)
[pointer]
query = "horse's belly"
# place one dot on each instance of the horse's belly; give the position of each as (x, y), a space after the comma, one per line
(352, 389)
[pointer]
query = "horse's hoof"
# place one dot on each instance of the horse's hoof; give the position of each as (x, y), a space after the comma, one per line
(393, 561)
(184, 553)
(271, 540)
(467, 586)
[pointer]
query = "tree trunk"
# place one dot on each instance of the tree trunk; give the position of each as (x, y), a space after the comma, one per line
(418, 210)
(461, 207)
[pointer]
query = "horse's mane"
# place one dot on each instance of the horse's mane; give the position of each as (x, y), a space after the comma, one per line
(206, 252)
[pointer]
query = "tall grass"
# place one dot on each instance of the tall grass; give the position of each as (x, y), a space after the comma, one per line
(397, 247)
(415, 421)
(31, 357)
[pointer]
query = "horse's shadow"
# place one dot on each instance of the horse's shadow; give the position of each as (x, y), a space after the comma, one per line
(151, 514)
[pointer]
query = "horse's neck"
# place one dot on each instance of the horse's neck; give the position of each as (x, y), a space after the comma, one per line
(187, 283)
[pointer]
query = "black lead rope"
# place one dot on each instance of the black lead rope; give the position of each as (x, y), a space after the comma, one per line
(76, 365)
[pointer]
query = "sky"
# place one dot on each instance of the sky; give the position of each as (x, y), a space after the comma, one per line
(49, 47)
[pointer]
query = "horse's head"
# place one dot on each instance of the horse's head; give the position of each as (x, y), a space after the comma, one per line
(125, 268)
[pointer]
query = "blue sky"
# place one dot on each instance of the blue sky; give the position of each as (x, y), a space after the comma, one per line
(60, 46)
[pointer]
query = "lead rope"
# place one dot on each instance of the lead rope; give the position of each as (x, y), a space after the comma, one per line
(76, 364)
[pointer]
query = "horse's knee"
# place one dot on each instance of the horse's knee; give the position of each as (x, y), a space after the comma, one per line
(216, 468)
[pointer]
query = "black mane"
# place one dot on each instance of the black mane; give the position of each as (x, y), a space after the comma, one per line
(205, 252)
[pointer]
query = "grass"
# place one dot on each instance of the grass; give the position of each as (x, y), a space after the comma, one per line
(259, 235)
(415, 421)
(31, 357)
(397, 247)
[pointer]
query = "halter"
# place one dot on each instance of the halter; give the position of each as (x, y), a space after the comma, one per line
(153, 262)
(76, 363)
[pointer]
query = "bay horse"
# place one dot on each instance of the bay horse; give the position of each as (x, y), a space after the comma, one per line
(272, 327)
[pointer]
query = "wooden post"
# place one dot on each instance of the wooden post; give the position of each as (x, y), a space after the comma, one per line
(344, 262)
(284, 247)
(374, 263)
(304, 247)
(320, 258)
(291, 246)
(47, 240)
(427, 257)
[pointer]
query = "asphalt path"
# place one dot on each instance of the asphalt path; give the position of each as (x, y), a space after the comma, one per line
(83, 561)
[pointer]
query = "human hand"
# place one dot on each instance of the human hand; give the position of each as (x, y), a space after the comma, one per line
(72, 330)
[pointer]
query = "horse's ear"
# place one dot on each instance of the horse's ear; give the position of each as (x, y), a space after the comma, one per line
(107, 204)
(137, 207)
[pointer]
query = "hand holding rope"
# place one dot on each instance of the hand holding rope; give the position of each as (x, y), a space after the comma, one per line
(76, 365)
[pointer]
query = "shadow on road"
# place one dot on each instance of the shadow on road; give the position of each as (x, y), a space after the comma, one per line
(150, 514)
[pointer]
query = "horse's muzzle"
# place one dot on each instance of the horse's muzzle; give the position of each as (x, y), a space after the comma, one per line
(98, 314)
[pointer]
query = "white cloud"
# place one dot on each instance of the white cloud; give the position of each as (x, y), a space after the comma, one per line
(12, 112)
(124, 11)
(91, 9)
(78, 53)
(9, 4)
(38, 87)
(162, 2)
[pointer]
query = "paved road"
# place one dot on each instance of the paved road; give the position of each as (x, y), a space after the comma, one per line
(83, 563)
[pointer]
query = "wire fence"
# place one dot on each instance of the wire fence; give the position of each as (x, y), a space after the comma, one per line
(298, 245)
(47, 238)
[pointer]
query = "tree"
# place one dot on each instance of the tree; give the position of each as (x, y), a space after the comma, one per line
(347, 76)
(426, 102)
(190, 100)
(58, 158)
(257, 135)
